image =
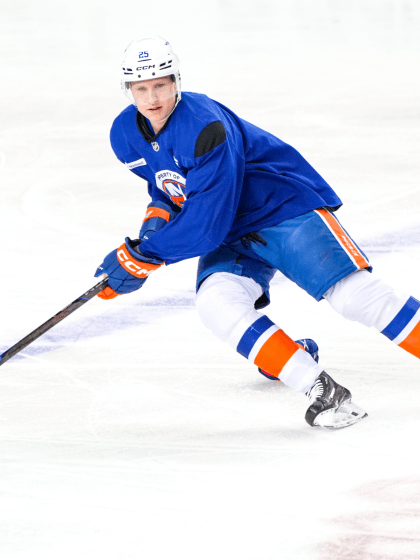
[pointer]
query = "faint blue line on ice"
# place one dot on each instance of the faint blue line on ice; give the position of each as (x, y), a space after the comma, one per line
(382, 243)
(393, 240)
(106, 323)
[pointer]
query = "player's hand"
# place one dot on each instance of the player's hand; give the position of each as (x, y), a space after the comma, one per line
(158, 214)
(127, 269)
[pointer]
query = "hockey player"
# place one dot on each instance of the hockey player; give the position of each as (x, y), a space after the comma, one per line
(248, 204)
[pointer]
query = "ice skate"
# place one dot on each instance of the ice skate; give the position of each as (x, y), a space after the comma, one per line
(331, 405)
(307, 344)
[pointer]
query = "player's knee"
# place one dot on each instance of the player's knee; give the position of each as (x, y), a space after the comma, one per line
(224, 300)
(362, 297)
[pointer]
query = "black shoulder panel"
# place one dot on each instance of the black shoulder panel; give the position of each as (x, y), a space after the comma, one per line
(209, 138)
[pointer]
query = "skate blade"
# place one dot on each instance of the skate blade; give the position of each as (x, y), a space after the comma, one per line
(345, 415)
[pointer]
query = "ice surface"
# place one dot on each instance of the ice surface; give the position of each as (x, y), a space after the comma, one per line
(128, 432)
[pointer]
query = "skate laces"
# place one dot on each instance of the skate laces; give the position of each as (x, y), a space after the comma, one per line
(316, 391)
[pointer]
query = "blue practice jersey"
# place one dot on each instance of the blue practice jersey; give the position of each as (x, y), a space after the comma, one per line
(226, 176)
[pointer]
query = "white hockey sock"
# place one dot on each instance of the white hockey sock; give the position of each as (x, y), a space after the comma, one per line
(225, 303)
(404, 329)
(362, 297)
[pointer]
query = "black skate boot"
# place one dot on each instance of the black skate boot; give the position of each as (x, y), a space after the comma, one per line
(331, 405)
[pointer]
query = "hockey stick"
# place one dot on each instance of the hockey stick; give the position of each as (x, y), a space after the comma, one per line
(53, 321)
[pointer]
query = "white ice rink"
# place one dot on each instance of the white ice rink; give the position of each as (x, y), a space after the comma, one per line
(128, 432)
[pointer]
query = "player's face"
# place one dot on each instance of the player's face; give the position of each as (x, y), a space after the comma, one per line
(155, 99)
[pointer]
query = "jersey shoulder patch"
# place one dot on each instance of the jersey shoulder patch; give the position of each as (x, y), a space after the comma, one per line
(209, 138)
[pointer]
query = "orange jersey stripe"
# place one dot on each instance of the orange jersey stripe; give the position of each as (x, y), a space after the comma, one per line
(412, 342)
(153, 212)
(275, 353)
(343, 238)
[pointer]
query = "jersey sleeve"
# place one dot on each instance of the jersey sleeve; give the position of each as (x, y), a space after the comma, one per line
(158, 196)
(125, 154)
(213, 189)
(119, 142)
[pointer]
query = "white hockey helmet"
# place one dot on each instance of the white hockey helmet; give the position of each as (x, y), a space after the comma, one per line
(148, 59)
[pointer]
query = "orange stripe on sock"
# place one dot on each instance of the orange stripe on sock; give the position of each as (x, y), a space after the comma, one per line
(275, 353)
(349, 246)
(412, 342)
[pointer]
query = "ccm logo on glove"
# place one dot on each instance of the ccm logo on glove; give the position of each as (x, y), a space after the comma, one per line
(140, 269)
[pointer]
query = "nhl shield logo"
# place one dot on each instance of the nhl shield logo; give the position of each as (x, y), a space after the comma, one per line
(155, 146)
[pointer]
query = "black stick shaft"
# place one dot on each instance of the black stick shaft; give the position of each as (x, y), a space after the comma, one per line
(53, 321)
